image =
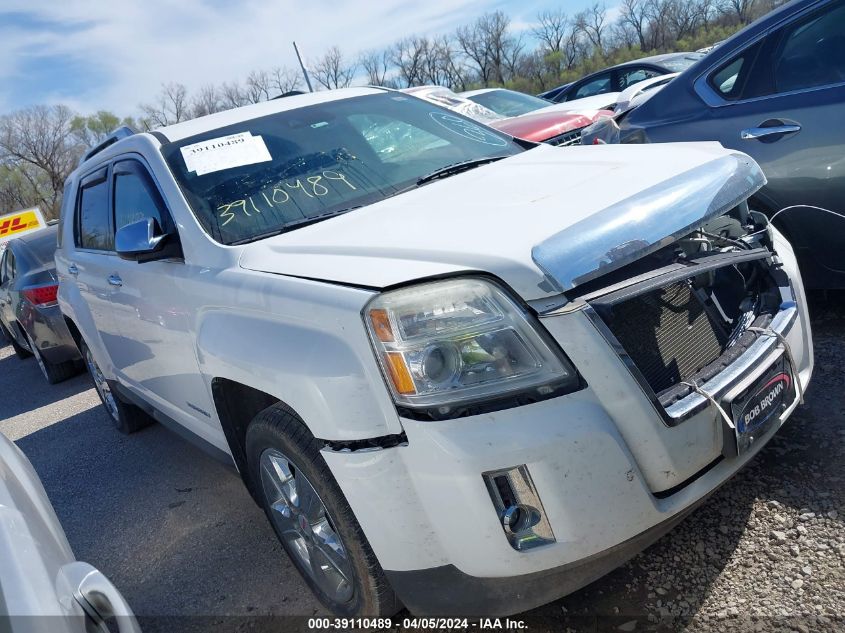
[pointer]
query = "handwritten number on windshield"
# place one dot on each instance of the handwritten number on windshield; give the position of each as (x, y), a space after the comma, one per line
(312, 188)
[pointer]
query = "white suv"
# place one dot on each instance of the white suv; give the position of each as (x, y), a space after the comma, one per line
(459, 371)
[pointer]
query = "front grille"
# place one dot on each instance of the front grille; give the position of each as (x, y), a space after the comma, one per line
(667, 333)
(573, 137)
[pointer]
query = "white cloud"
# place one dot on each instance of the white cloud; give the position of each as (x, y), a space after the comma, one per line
(133, 47)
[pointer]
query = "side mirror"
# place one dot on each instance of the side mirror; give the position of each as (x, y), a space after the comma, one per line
(140, 240)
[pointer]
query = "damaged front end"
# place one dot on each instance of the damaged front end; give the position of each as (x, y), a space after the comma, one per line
(690, 311)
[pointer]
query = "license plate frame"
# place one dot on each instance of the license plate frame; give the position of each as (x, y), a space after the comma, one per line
(756, 409)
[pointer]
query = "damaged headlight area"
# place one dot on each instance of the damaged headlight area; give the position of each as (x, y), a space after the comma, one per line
(463, 346)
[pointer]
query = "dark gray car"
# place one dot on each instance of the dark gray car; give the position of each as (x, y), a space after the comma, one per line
(29, 314)
(617, 78)
(776, 91)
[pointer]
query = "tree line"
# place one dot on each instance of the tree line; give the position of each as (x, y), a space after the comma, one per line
(40, 145)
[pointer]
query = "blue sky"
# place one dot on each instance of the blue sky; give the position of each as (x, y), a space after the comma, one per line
(116, 54)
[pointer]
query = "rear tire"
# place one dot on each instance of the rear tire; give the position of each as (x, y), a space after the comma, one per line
(125, 417)
(53, 372)
(312, 518)
(22, 352)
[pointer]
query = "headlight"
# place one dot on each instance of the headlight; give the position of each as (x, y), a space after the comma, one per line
(450, 343)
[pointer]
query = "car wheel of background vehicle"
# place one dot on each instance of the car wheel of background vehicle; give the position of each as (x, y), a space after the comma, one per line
(312, 518)
(126, 418)
(53, 372)
(21, 351)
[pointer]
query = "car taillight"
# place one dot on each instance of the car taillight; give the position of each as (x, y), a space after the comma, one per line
(41, 295)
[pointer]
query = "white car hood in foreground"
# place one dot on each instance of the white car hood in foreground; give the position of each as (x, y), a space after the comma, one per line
(543, 221)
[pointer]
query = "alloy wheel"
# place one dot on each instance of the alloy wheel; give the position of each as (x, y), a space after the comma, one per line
(101, 385)
(304, 524)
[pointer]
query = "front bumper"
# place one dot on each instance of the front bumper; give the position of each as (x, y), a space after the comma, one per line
(611, 474)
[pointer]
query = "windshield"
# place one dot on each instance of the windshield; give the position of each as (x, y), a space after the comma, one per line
(268, 175)
(509, 103)
(681, 62)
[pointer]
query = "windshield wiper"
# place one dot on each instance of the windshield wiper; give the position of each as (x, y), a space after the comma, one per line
(457, 168)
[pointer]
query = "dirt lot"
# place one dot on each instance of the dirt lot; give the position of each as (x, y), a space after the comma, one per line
(180, 537)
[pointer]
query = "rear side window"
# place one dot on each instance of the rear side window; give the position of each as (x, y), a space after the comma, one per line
(808, 53)
(812, 52)
(136, 197)
(93, 228)
(731, 78)
(631, 76)
(597, 86)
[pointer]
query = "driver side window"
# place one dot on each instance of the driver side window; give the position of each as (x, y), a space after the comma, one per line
(136, 197)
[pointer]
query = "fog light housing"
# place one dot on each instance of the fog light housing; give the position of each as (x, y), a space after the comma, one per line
(518, 507)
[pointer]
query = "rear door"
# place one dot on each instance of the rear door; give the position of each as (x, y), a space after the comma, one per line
(90, 265)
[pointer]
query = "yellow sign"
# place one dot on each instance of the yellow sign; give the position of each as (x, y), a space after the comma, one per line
(15, 224)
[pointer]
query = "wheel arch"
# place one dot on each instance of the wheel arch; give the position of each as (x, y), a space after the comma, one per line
(237, 405)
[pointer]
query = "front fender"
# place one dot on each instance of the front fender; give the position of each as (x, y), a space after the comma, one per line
(304, 343)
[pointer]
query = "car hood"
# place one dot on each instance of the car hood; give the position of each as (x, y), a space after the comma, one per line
(543, 221)
(542, 125)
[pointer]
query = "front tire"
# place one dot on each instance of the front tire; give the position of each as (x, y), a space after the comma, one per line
(312, 518)
(125, 417)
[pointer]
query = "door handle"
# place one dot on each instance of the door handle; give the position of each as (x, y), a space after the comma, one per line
(115, 280)
(97, 596)
(72, 270)
(760, 132)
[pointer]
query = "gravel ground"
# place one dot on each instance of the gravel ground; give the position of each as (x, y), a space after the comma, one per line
(180, 537)
(767, 551)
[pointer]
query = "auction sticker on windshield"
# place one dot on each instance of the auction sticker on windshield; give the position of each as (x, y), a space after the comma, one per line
(225, 152)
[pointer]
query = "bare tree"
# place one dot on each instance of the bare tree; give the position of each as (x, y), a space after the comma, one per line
(38, 143)
(552, 30)
(376, 63)
(592, 21)
(284, 79)
(635, 14)
(258, 86)
(741, 9)
(207, 101)
(332, 70)
(489, 45)
(232, 95)
(171, 106)
(408, 56)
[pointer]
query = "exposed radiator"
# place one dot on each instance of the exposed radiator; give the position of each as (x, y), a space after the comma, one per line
(668, 334)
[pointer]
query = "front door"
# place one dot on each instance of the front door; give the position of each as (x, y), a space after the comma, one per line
(158, 358)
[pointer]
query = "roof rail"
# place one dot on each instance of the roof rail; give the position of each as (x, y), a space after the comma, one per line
(113, 137)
